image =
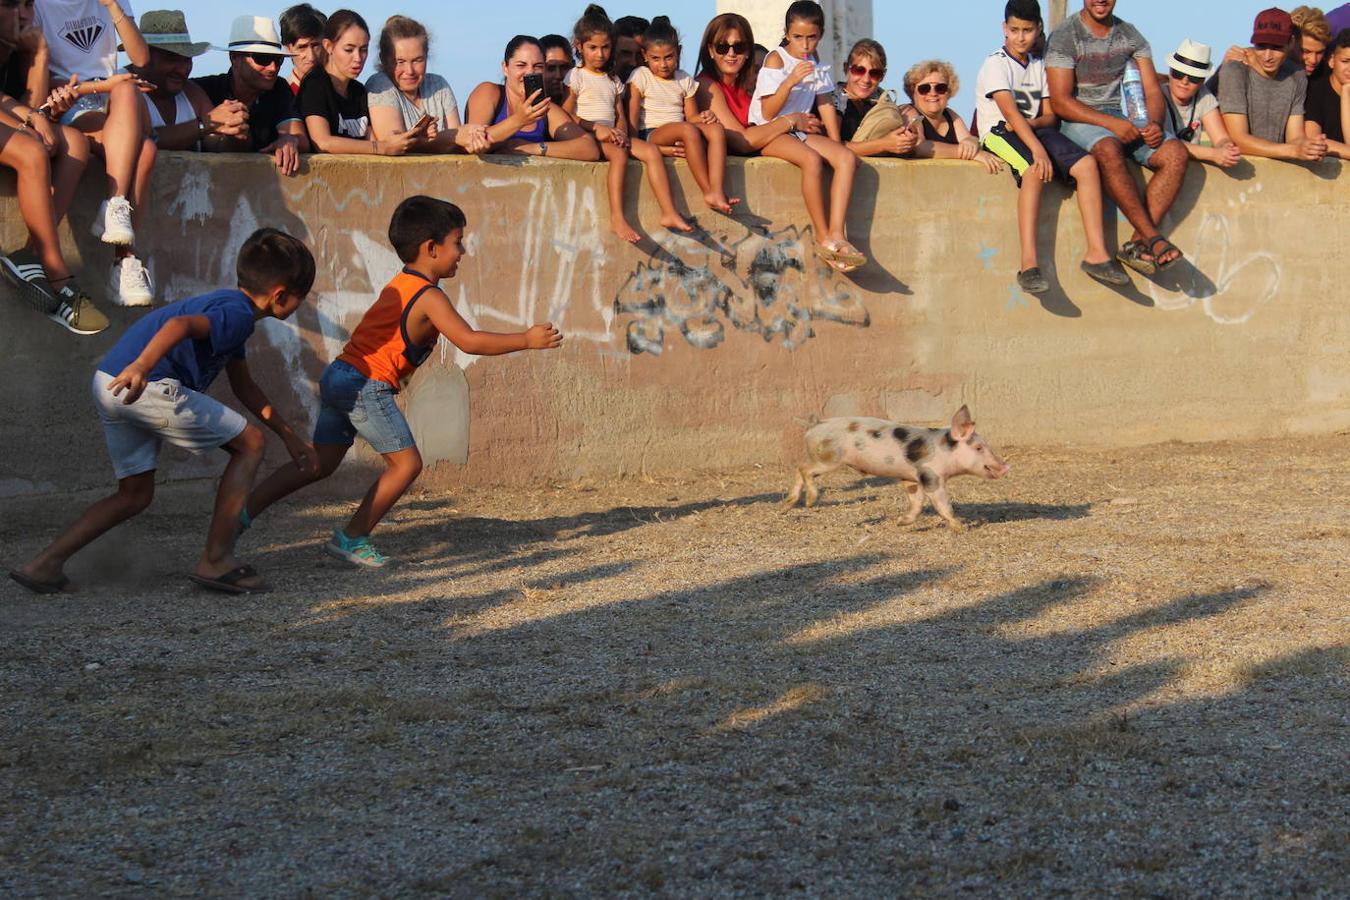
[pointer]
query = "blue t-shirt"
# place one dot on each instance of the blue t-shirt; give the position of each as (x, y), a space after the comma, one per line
(195, 363)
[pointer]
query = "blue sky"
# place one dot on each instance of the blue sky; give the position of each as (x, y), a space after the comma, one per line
(467, 45)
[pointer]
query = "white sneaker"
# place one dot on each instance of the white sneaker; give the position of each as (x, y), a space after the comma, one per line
(113, 223)
(131, 283)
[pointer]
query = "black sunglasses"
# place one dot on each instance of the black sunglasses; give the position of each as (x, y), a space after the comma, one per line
(860, 71)
(740, 48)
(1186, 76)
(938, 89)
(263, 60)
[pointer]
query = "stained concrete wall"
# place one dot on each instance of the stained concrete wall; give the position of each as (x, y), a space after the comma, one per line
(687, 353)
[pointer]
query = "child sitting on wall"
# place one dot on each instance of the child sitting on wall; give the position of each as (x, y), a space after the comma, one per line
(394, 337)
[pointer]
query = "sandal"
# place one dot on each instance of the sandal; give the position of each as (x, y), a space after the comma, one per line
(1135, 255)
(1167, 247)
(37, 586)
(229, 583)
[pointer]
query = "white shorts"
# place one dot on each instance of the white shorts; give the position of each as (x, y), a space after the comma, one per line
(166, 411)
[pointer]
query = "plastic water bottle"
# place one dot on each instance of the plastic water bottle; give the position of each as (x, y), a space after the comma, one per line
(1132, 103)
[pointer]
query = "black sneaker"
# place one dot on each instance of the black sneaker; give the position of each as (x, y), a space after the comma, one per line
(1032, 281)
(24, 271)
(77, 312)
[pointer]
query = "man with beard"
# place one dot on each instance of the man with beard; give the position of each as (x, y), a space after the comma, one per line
(274, 124)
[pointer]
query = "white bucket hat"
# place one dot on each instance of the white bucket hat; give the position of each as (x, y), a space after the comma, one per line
(254, 34)
(1192, 59)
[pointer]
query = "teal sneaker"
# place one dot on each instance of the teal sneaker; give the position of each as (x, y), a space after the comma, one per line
(357, 551)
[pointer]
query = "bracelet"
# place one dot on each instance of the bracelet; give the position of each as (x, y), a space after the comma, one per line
(543, 148)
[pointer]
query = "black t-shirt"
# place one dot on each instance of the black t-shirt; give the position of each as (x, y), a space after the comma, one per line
(854, 112)
(931, 133)
(13, 77)
(267, 112)
(1323, 106)
(347, 116)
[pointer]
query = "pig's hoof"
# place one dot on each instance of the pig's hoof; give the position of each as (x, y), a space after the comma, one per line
(956, 525)
(789, 503)
(908, 521)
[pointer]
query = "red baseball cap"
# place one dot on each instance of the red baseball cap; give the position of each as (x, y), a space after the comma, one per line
(1273, 26)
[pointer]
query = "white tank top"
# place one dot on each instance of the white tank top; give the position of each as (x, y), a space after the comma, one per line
(182, 111)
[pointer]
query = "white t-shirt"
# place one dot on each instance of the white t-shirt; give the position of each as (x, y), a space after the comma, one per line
(801, 99)
(597, 96)
(662, 98)
(1002, 72)
(80, 36)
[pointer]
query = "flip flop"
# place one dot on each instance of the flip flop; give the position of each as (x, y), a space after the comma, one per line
(41, 587)
(229, 582)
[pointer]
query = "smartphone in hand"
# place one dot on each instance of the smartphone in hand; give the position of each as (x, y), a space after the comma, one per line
(423, 123)
(533, 85)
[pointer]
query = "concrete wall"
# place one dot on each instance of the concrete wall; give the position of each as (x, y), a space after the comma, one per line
(690, 353)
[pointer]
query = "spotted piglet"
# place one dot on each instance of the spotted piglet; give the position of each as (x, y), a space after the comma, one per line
(923, 458)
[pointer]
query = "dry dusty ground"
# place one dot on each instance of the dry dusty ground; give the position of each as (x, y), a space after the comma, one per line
(1130, 675)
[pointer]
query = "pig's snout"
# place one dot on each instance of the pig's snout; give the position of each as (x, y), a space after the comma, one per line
(997, 470)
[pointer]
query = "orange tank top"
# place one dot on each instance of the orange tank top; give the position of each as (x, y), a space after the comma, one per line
(380, 347)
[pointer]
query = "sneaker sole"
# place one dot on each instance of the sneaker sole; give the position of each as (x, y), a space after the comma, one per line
(351, 558)
(70, 326)
(120, 239)
(34, 296)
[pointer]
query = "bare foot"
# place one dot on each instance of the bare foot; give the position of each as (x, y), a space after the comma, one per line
(677, 223)
(719, 202)
(625, 231)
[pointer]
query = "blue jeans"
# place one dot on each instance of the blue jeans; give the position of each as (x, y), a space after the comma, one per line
(354, 404)
(1087, 136)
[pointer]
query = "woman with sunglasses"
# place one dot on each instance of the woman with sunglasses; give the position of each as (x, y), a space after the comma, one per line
(931, 85)
(1193, 112)
(870, 121)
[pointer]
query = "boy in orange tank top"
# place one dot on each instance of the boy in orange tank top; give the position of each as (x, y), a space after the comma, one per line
(394, 337)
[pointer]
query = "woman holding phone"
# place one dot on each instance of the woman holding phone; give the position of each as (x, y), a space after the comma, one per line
(333, 100)
(402, 94)
(517, 115)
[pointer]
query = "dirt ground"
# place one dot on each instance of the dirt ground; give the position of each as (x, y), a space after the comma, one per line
(1130, 675)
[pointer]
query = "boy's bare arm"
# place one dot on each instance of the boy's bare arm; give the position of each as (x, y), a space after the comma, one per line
(1047, 118)
(258, 403)
(450, 323)
(1007, 106)
(132, 379)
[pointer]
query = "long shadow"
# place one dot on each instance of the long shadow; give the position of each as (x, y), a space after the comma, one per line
(1056, 300)
(873, 277)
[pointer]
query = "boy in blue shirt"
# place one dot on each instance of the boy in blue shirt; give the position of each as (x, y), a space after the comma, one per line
(1018, 126)
(149, 389)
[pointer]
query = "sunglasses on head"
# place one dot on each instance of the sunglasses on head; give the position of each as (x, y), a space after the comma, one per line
(1186, 76)
(740, 48)
(939, 89)
(860, 71)
(263, 60)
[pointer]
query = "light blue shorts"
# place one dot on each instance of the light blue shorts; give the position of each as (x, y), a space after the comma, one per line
(1087, 136)
(354, 404)
(92, 103)
(166, 411)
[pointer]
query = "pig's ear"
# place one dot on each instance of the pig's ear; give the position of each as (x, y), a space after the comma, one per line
(963, 426)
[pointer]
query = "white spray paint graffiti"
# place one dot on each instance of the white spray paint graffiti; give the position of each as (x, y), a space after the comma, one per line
(1230, 289)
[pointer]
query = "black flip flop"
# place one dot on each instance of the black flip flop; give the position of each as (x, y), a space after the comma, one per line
(41, 587)
(229, 582)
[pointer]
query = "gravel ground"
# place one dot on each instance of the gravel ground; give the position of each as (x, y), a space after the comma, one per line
(1129, 676)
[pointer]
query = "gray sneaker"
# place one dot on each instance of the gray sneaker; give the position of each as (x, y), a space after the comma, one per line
(24, 271)
(77, 312)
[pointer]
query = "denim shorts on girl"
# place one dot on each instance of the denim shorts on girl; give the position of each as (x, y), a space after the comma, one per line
(165, 411)
(353, 404)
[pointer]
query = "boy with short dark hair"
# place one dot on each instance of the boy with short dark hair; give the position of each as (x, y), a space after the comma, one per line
(149, 388)
(1019, 127)
(393, 338)
(1263, 104)
(302, 33)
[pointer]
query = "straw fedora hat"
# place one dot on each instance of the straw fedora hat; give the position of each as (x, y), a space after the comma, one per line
(1191, 58)
(254, 34)
(167, 30)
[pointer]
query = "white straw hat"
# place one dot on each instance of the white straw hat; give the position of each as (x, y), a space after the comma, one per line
(254, 34)
(1191, 58)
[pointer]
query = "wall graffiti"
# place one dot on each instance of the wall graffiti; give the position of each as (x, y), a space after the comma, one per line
(1229, 286)
(766, 283)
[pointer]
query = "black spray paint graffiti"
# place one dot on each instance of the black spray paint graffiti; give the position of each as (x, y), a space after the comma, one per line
(784, 289)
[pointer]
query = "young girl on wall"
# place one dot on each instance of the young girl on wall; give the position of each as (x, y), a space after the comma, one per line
(792, 81)
(595, 98)
(661, 102)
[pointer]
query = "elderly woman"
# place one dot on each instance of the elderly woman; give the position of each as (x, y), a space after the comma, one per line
(931, 85)
(401, 94)
(871, 123)
(529, 125)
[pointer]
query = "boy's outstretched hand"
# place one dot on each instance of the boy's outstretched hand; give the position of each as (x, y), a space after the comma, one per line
(543, 337)
(305, 457)
(132, 380)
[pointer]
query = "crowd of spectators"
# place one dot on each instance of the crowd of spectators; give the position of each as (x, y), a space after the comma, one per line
(1077, 104)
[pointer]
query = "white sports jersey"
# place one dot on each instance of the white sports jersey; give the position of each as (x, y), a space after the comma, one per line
(1001, 72)
(80, 36)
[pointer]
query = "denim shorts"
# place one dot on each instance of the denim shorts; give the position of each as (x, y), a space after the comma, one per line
(90, 103)
(353, 404)
(166, 411)
(1087, 136)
